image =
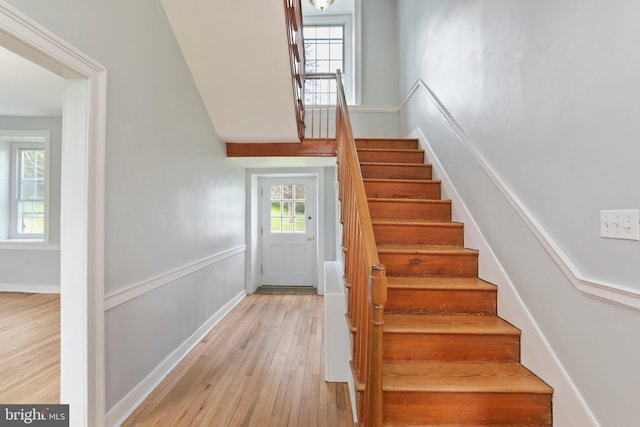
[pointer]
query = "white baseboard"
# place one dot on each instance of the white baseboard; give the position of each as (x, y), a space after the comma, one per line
(31, 289)
(125, 407)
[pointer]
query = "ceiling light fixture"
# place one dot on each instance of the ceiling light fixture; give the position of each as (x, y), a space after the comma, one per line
(321, 5)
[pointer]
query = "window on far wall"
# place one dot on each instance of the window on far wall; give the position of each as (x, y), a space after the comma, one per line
(28, 201)
(24, 186)
(324, 53)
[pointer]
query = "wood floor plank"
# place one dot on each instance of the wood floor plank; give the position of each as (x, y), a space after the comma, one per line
(262, 365)
(30, 348)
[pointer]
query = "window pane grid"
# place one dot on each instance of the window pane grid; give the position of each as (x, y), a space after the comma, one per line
(324, 53)
(288, 204)
(320, 92)
(30, 194)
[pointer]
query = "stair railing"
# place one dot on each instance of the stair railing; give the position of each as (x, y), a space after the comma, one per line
(365, 277)
(293, 19)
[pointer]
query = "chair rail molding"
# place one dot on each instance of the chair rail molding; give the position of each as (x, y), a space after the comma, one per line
(134, 291)
(604, 291)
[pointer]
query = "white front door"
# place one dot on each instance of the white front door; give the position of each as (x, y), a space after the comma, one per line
(287, 227)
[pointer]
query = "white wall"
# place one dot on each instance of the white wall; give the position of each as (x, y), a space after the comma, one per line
(175, 206)
(379, 53)
(546, 92)
(26, 268)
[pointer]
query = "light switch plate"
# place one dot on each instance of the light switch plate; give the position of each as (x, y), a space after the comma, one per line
(623, 224)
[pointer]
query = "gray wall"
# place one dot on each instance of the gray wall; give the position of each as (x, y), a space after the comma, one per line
(547, 92)
(379, 53)
(32, 269)
(172, 196)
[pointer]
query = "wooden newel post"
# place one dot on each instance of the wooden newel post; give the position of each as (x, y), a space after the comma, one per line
(378, 299)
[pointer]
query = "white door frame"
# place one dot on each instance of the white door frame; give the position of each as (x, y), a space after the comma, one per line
(253, 219)
(82, 383)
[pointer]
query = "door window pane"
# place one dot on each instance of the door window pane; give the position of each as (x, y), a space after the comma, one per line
(288, 208)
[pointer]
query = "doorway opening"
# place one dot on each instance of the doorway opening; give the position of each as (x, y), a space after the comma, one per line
(288, 231)
(288, 222)
(82, 209)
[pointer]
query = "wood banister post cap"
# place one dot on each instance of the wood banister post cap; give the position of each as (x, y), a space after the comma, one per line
(378, 286)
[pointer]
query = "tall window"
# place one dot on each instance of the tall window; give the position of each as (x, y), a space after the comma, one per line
(324, 53)
(29, 191)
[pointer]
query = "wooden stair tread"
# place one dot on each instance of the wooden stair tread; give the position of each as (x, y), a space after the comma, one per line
(447, 324)
(417, 222)
(409, 200)
(394, 150)
(401, 181)
(383, 139)
(409, 208)
(439, 283)
(410, 221)
(461, 377)
(410, 165)
(399, 248)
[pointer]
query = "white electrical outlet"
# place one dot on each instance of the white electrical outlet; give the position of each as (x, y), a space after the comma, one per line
(620, 224)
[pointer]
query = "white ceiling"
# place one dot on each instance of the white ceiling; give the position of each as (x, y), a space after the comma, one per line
(339, 7)
(27, 89)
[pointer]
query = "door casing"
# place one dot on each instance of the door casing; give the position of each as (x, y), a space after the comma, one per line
(253, 218)
(82, 383)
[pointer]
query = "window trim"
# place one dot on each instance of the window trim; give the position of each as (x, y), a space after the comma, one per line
(29, 140)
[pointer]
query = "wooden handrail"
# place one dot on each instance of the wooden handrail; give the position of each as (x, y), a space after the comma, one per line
(367, 293)
(320, 76)
(293, 19)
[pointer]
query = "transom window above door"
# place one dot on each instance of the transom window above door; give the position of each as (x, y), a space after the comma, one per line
(288, 208)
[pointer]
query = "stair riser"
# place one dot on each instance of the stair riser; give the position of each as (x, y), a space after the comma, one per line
(452, 347)
(387, 144)
(432, 234)
(403, 190)
(441, 301)
(391, 156)
(410, 210)
(396, 171)
(430, 265)
(467, 409)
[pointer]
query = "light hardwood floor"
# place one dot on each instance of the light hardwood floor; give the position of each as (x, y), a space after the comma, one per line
(29, 348)
(262, 365)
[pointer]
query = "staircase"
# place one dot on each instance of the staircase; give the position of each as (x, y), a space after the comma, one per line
(448, 358)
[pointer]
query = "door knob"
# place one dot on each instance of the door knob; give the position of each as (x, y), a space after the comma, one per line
(310, 238)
